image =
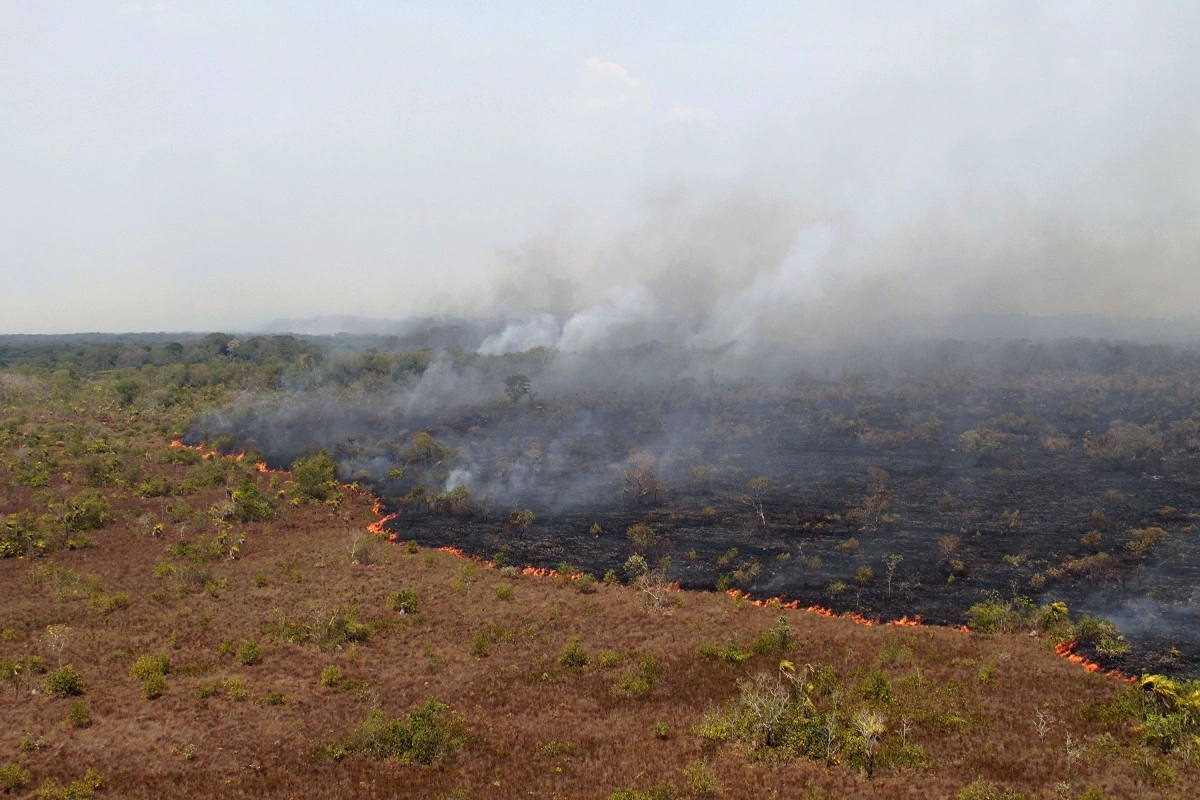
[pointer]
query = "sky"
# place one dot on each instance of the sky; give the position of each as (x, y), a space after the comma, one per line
(218, 165)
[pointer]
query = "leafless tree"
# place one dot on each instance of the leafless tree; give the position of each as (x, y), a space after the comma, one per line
(1042, 723)
(756, 492)
(58, 637)
(641, 483)
(765, 700)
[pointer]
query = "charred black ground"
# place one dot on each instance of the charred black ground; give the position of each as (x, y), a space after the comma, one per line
(1060, 470)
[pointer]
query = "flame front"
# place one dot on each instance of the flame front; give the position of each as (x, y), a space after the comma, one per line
(1067, 650)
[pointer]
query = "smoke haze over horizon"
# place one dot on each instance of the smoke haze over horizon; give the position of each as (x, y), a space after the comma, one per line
(599, 175)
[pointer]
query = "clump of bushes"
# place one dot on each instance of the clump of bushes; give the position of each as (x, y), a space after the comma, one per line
(82, 789)
(426, 734)
(13, 778)
(87, 511)
(405, 601)
(316, 479)
(250, 653)
(637, 682)
(79, 715)
(730, 653)
(573, 655)
(152, 671)
(63, 682)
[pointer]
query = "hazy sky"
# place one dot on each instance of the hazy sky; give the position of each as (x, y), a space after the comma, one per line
(218, 165)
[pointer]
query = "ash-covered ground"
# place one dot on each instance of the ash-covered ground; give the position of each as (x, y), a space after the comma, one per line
(920, 480)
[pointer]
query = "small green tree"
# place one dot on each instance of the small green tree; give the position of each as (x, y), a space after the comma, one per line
(516, 387)
(249, 504)
(64, 682)
(641, 536)
(316, 478)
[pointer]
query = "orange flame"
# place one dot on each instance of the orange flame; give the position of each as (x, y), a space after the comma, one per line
(1067, 650)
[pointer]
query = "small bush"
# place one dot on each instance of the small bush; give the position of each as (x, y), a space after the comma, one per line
(249, 654)
(87, 511)
(145, 666)
(153, 685)
(331, 677)
(585, 584)
(573, 655)
(423, 737)
(607, 659)
(502, 591)
(64, 682)
(13, 778)
(79, 716)
(235, 689)
(108, 603)
(729, 653)
(661, 730)
(701, 780)
(637, 682)
(404, 601)
(479, 645)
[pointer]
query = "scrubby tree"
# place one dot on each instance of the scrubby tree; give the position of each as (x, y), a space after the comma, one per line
(641, 482)
(641, 536)
(516, 387)
(316, 478)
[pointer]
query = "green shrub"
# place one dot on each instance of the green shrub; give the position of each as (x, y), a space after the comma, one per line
(424, 736)
(13, 778)
(235, 689)
(778, 639)
(875, 688)
(79, 716)
(608, 659)
(637, 682)
(316, 478)
(87, 511)
(249, 653)
(274, 699)
(155, 486)
(659, 791)
(108, 603)
(156, 664)
(701, 781)
(479, 645)
(502, 591)
(585, 584)
(64, 682)
(404, 600)
(331, 677)
(82, 789)
(249, 504)
(729, 653)
(661, 730)
(573, 655)
(982, 790)
(153, 685)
